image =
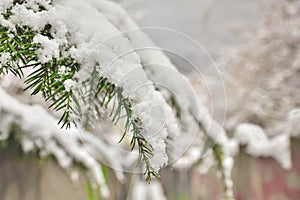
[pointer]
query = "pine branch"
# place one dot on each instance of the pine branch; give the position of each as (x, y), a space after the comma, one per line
(20, 48)
(104, 94)
(144, 148)
(47, 79)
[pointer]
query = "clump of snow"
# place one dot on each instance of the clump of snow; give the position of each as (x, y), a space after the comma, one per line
(49, 48)
(227, 164)
(258, 144)
(4, 58)
(69, 84)
(4, 4)
(188, 159)
(62, 70)
(207, 162)
(74, 176)
(7, 24)
(27, 145)
(28, 17)
(5, 126)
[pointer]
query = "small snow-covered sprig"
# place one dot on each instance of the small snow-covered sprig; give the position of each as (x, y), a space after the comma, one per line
(24, 46)
(99, 97)
(20, 48)
(145, 149)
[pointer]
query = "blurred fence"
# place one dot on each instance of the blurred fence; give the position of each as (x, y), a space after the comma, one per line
(28, 178)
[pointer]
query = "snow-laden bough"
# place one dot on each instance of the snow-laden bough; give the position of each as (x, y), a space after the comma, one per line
(78, 60)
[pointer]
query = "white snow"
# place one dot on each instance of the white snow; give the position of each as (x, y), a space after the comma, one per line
(74, 176)
(186, 161)
(124, 70)
(4, 4)
(4, 58)
(27, 17)
(6, 23)
(64, 145)
(69, 84)
(207, 162)
(100, 35)
(258, 144)
(142, 190)
(49, 48)
(162, 72)
(27, 144)
(87, 40)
